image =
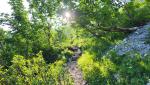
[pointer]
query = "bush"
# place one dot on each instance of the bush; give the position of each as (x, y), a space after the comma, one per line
(34, 72)
(132, 68)
(116, 70)
(96, 72)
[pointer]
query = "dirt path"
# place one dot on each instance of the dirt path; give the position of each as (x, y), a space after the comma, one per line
(73, 69)
(76, 73)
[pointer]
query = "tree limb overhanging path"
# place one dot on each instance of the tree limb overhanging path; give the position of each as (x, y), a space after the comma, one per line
(73, 69)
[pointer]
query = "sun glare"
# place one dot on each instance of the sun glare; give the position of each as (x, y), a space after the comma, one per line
(67, 15)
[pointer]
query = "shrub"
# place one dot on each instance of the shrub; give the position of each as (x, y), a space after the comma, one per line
(96, 72)
(113, 69)
(34, 72)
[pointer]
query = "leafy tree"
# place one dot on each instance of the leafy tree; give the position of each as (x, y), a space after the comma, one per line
(101, 17)
(30, 35)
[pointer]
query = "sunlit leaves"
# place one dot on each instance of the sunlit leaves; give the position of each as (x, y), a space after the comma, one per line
(34, 71)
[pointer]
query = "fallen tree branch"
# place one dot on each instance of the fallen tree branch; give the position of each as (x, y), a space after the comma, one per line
(121, 29)
(99, 31)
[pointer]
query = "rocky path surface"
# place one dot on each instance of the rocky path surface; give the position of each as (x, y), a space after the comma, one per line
(73, 69)
(76, 73)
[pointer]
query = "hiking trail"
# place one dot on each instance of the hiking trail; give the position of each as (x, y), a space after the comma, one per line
(73, 69)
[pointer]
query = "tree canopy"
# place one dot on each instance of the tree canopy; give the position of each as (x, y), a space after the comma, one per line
(46, 34)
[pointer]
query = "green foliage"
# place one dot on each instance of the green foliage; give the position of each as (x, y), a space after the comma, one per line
(35, 71)
(116, 70)
(132, 68)
(5, 48)
(100, 17)
(97, 72)
(98, 46)
(97, 28)
(135, 13)
(30, 35)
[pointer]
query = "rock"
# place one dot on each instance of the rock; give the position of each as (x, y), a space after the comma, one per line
(77, 52)
(135, 42)
(148, 83)
(75, 48)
